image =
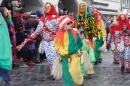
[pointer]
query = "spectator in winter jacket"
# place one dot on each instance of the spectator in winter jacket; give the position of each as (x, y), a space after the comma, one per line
(9, 7)
(16, 9)
(30, 48)
(21, 36)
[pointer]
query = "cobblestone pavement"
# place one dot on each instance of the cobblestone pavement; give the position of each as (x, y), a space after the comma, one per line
(106, 74)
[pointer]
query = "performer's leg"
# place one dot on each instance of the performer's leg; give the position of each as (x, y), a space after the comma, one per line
(5, 75)
(75, 72)
(50, 53)
(83, 72)
(66, 74)
(116, 57)
(127, 59)
(122, 60)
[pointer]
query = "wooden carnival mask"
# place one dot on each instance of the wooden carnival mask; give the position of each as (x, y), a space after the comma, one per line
(68, 26)
(82, 7)
(47, 7)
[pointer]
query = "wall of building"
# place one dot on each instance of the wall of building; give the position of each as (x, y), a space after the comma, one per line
(113, 4)
(33, 8)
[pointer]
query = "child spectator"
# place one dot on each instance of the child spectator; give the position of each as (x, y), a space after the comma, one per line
(20, 35)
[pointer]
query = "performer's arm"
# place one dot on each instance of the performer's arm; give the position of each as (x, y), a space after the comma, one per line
(103, 30)
(37, 31)
(79, 42)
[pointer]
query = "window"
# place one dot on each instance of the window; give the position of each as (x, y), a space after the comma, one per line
(127, 3)
(114, 0)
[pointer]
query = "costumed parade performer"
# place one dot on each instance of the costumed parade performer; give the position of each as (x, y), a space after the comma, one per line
(8, 20)
(88, 56)
(100, 43)
(86, 21)
(111, 41)
(122, 40)
(46, 28)
(68, 45)
(5, 51)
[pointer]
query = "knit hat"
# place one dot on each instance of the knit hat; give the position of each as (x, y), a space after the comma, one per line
(81, 31)
(39, 13)
(20, 26)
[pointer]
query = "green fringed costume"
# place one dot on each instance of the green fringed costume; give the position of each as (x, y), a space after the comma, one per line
(5, 47)
(88, 24)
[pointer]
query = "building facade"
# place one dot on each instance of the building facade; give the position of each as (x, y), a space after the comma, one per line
(125, 6)
(107, 7)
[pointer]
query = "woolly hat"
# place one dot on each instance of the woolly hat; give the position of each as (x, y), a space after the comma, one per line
(39, 13)
(20, 26)
(81, 31)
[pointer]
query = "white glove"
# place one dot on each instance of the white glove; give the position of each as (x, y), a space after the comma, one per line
(94, 39)
(103, 48)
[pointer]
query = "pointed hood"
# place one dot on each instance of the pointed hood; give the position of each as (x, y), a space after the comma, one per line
(61, 24)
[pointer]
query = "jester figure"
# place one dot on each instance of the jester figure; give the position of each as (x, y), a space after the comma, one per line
(121, 36)
(88, 56)
(100, 43)
(111, 41)
(46, 28)
(85, 21)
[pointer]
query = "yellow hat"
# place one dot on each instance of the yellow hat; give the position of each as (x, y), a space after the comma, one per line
(120, 13)
(114, 20)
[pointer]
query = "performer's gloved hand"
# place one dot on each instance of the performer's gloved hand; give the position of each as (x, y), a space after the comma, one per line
(80, 53)
(19, 47)
(94, 39)
(103, 48)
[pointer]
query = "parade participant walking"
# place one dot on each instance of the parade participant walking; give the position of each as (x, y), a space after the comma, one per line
(8, 20)
(111, 41)
(46, 28)
(5, 52)
(122, 40)
(100, 43)
(88, 58)
(68, 45)
(85, 21)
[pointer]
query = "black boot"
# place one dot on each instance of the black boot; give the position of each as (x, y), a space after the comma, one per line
(100, 60)
(96, 63)
(82, 84)
(122, 69)
(52, 78)
(115, 62)
(89, 76)
(7, 84)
